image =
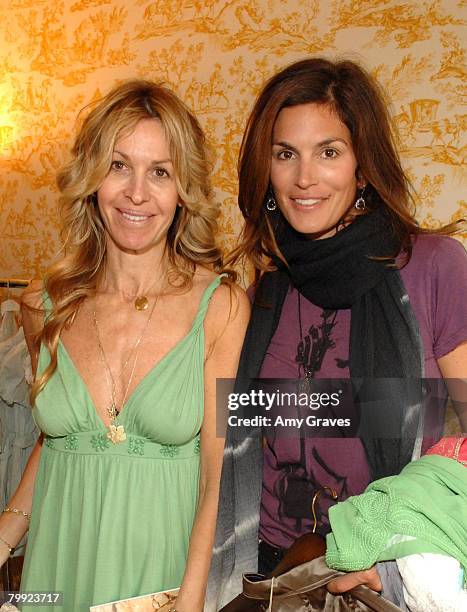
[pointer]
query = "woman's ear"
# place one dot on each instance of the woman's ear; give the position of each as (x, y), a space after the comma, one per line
(361, 180)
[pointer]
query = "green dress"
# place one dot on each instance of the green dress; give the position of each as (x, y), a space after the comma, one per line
(111, 521)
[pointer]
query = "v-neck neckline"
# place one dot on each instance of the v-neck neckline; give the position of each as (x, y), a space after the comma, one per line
(149, 373)
(128, 401)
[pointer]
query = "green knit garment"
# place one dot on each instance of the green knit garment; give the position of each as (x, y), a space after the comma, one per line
(423, 509)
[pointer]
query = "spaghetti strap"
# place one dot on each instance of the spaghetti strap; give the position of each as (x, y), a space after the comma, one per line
(205, 299)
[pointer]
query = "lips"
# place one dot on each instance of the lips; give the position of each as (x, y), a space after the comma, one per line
(134, 217)
(308, 202)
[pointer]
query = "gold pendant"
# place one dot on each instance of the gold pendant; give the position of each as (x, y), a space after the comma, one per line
(141, 302)
(116, 434)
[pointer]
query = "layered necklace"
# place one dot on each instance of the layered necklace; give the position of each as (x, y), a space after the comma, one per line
(116, 433)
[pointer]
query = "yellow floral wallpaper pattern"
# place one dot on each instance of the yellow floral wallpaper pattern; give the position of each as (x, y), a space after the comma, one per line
(57, 55)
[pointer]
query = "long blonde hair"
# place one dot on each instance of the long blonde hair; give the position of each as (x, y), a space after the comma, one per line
(191, 237)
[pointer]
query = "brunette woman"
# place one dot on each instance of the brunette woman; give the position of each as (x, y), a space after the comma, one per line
(347, 285)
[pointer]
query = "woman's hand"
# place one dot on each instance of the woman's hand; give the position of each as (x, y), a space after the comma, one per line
(168, 607)
(178, 607)
(369, 578)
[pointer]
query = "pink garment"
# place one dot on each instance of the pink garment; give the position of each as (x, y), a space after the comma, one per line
(452, 447)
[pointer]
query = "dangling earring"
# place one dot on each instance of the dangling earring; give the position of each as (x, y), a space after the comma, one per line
(271, 203)
(360, 204)
(340, 225)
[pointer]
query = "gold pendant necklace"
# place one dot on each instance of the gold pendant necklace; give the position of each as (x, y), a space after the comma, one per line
(141, 302)
(116, 433)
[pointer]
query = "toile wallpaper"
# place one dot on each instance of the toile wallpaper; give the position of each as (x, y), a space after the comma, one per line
(57, 55)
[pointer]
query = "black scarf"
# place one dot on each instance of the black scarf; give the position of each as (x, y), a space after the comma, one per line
(341, 272)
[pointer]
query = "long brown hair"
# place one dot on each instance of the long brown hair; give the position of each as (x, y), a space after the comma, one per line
(356, 98)
(191, 238)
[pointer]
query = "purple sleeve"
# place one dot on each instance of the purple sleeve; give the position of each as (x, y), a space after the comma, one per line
(449, 295)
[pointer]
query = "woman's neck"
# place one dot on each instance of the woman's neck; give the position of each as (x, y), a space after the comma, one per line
(131, 274)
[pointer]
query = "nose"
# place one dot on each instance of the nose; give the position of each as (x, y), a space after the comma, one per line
(137, 189)
(307, 174)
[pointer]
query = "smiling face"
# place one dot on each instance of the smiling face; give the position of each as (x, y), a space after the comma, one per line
(138, 198)
(313, 169)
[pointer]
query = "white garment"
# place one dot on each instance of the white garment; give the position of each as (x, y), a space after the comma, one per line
(9, 310)
(15, 369)
(432, 582)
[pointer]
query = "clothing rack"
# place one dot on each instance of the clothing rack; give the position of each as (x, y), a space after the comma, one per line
(13, 283)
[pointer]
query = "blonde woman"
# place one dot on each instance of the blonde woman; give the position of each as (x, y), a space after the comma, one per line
(128, 334)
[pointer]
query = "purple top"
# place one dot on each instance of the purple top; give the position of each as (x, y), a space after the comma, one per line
(436, 283)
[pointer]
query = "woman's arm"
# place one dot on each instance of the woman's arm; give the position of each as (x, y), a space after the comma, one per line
(453, 367)
(13, 525)
(226, 323)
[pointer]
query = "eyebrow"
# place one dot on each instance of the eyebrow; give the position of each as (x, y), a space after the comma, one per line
(155, 161)
(323, 143)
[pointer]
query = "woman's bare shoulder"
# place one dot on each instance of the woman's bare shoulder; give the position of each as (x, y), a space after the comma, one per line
(226, 293)
(228, 303)
(203, 277)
